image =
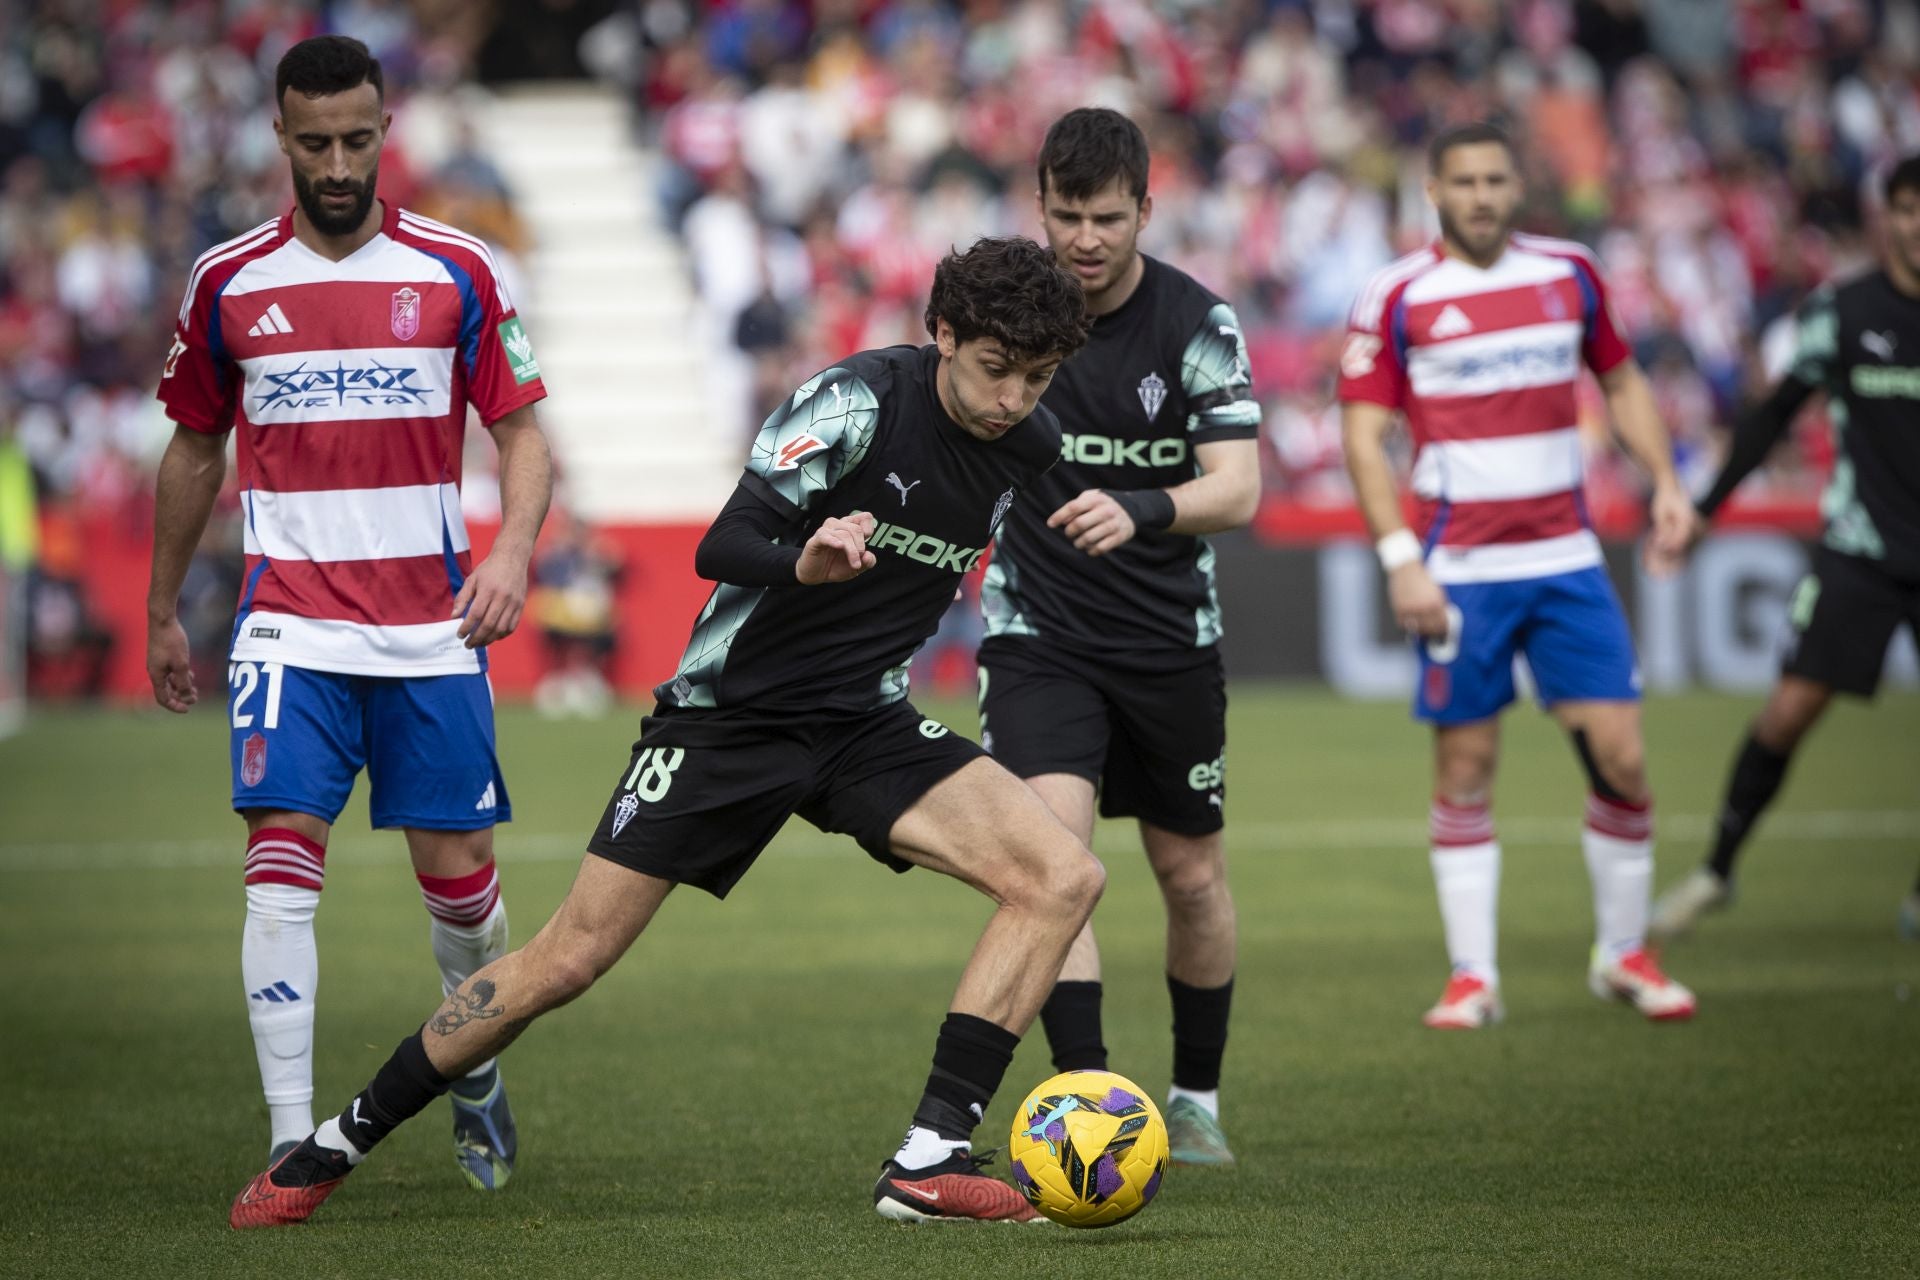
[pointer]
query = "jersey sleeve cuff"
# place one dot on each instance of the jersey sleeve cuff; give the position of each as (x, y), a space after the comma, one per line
(758, 486)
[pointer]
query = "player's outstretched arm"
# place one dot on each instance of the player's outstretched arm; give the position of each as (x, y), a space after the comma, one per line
(837, 551)
(1755, 433)
(1419, 604)
(191, 473)
(495, 593)
(1637, 418)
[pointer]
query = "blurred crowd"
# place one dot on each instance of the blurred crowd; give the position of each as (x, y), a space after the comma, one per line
(1717, 153)
(819, 157)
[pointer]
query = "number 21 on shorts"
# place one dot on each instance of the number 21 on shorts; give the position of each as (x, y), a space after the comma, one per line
(245, 678)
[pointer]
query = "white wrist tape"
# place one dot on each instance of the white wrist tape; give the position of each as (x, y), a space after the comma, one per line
(1398, 548)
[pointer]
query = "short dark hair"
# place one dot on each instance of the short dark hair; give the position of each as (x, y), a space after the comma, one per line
(1011, 290)
(1904, 176)
(1088, 148)
(1468, 135)
(326, 65)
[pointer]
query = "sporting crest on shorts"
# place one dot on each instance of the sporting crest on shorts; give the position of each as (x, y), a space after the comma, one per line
(623, 812)
(253, 759)
(405, 316)
(1153, 394)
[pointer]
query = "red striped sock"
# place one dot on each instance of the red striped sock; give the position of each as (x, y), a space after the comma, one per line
(462, 901)
(276, 855)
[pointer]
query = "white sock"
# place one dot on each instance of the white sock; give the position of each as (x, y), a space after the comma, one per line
(1618, 844)
(1466, 871)
(1208, 1100)
(923, 1147)
(329, 1136)
(280, 972)
(469, 930)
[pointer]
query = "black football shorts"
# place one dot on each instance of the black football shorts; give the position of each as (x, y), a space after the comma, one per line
(1843, 615)
(1154, 743)
(705, 791)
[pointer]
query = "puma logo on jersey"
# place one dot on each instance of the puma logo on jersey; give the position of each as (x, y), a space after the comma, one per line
(893, 478)
(1880, 344)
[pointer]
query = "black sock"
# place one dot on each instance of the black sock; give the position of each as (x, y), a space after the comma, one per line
(969, 1059)
(1071, 1016)
(1199, 1033)
(1757, 774)
(399, 1090)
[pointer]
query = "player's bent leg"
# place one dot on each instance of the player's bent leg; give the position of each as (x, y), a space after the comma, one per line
(983, 826)
(606, 909)
(1617, 842)
(1465, 856)
(1071, 1014)
(280, 964)
(460, 885)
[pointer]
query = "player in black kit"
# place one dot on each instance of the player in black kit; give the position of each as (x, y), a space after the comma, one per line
(867, 496)
(1860, 344)
(1100, 669)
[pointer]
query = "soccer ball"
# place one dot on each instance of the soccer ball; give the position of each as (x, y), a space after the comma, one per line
(1089, 1148)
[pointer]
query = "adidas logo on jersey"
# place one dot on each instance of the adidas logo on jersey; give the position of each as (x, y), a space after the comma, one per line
(486, 799)
(273, 322)
(1452, 322)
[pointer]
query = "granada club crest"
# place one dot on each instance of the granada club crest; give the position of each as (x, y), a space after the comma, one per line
(405, 317)
(253, 759)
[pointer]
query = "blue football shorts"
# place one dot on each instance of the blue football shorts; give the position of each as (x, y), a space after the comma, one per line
(1568, 626)
(299, 738)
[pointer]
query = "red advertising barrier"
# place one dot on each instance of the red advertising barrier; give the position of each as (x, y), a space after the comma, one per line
(657, 595)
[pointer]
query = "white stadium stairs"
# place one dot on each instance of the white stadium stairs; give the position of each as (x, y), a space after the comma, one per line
(611, 310)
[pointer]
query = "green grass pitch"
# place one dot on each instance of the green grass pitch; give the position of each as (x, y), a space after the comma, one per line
(717, 1106)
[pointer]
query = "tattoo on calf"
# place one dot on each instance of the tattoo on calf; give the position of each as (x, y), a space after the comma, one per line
(465, 1006)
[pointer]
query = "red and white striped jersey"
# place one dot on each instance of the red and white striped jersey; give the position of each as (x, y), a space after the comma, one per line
(349, 382)
(1486, 366)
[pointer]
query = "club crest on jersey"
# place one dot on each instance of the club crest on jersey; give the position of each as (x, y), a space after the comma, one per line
(794, 452)
(999, 512)
(1153, 394)
(405, 316)
(253, 760)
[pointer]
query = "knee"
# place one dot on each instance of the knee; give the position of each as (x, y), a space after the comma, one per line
(1465, 778)
(1069, 880)
(1191, 880)
(1618, 770)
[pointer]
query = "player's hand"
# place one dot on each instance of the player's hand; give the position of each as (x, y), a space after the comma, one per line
(1419, 603)
(837, 551)
(492, 597)
(1676, 526)
(1093, 522)
(170, 666)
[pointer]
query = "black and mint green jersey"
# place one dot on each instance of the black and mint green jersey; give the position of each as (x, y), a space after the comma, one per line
(1164, 372)
(1860, 343)
(869, 435)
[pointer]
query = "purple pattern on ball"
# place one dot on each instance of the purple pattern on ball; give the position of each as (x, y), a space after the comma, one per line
(1106, 1177)
(1118, 1100)
(1056, 1132)
(1153, 1186)
(1021, 1176)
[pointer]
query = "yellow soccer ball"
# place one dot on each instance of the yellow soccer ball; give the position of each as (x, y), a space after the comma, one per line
(1089, 1148)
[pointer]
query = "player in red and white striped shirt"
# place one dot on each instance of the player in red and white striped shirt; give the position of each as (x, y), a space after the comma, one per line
(1480, 341)
(345, 341)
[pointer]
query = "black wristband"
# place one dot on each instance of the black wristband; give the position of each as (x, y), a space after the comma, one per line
(1147, 508)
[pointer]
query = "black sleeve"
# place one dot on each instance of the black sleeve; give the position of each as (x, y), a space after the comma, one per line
(1754, 435)
(740, 548)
